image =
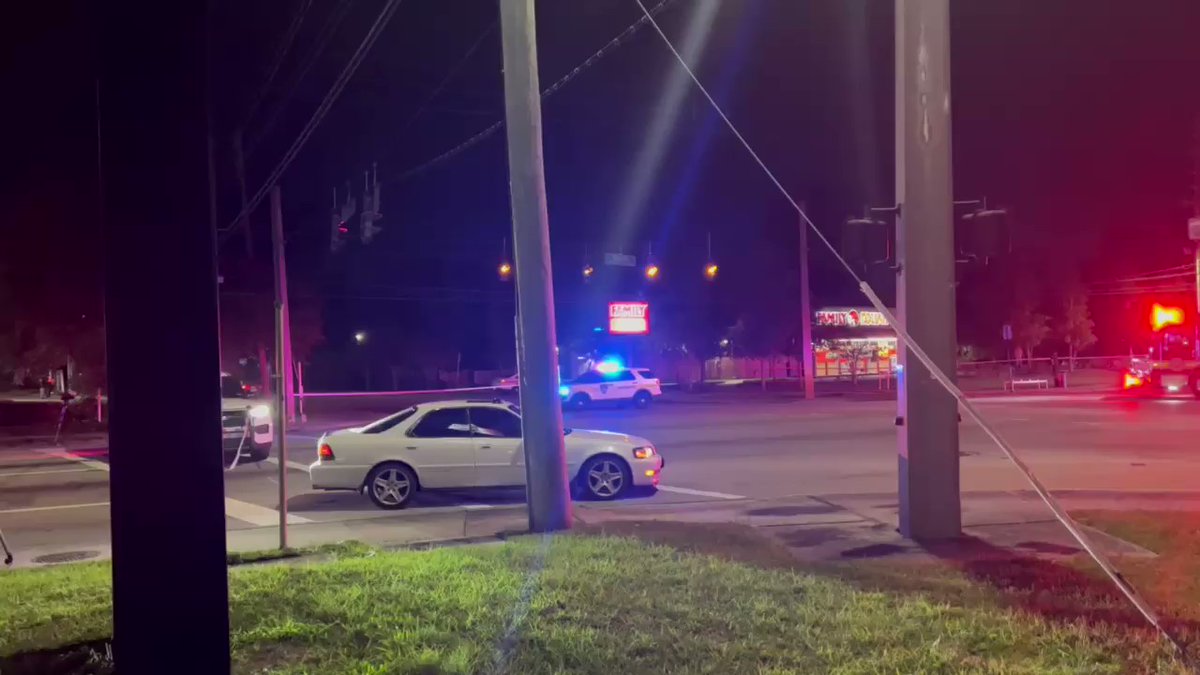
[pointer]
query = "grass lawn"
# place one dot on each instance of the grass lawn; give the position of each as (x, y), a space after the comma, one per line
(1172, 580)
(577, 604)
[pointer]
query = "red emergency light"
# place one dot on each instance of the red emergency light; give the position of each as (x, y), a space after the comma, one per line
(1132, 381)
(1161, 317)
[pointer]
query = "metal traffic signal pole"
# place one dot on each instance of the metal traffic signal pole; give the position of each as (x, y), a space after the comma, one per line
(283, 362)
(537, 362)
(166, 482)
(930, 506)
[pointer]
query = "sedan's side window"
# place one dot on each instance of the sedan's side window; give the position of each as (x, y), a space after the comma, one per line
(495, 423)
(443, 423)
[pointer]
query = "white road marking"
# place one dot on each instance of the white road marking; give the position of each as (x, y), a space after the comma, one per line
(10, 474)
(699, 493)
(478, 507)
(61, 453)
(29, 509)
(234, 508)
(290, 464)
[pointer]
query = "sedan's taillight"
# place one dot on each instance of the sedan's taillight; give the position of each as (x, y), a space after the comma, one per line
(325, 453)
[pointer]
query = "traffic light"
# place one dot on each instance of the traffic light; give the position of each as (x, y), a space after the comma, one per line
(866, 240)
(710, 271)
(340, 220)
(504, 271)
(984, 233)
(652, 272)
(337, 233)
(370, 210)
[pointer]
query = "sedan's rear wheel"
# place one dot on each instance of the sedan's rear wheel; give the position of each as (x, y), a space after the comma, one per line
(605, 477)
(391, 486)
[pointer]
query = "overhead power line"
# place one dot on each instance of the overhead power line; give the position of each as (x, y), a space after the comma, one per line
(546, 93)
(277, 61)
(328, 30)
(319, 114)
(1177, 288)
(1165, 273)
(450, 75)
(1182, 274)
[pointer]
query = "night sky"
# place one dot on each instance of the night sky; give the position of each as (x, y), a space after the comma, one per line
(1077, 116)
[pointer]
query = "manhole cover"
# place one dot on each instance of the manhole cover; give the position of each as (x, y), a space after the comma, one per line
(65, 557)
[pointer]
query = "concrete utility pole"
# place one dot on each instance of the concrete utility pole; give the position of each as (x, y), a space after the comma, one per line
(283, 359)
(810, 363)
(542, 427)
(928, 436)
(168, 536)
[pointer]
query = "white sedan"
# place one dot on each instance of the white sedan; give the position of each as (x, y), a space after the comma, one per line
(464, 444)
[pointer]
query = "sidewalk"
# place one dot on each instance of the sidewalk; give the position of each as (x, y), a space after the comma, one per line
(864, 527)
(404, 529)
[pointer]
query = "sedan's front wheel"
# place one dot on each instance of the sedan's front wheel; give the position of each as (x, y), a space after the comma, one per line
(391, 486)
(605, 478)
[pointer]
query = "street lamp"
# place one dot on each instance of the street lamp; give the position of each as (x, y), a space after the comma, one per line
(710, 270)
(504, 270)
(360, 337)
(588, 271)
(652, 272)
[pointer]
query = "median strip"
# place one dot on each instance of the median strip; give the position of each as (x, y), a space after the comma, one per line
(234, 508)
(699, 493)
(258, 515)
(290, 464)
(31, 509)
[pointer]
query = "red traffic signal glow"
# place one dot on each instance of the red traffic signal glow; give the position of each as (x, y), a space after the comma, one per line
(505, 270)
(652, 272)
(710, 271)
(1161, 317)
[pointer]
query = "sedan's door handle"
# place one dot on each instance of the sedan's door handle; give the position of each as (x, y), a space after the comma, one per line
(485, 447)
(410, 447)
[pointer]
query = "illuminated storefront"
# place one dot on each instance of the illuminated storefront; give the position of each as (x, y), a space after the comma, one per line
(852, 341)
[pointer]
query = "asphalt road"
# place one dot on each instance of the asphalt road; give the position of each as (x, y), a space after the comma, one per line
(718, 448)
